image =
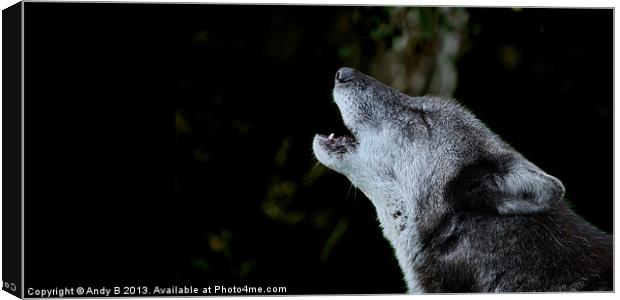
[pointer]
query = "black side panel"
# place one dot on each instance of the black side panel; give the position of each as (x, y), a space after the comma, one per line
(12, 146)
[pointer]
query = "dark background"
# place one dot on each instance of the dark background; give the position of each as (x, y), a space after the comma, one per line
(171, 144)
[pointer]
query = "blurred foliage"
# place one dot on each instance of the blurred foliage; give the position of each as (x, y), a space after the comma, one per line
(427, 39)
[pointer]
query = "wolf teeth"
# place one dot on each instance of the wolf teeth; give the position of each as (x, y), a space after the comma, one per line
(331, 136)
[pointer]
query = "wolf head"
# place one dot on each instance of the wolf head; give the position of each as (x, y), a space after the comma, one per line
(410, 154)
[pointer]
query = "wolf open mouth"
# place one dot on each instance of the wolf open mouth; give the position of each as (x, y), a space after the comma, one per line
(333, 144)
(338, 144)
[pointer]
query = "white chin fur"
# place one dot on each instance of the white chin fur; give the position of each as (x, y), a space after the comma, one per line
(319, 151)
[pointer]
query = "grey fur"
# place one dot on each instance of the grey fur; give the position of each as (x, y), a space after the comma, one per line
(463, 210)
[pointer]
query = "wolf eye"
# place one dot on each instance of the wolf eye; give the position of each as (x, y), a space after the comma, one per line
(425, 120)
(422, 114)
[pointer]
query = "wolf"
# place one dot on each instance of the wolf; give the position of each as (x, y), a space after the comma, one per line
(463, 210)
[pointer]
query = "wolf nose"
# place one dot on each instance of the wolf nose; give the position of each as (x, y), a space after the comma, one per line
(345, 74)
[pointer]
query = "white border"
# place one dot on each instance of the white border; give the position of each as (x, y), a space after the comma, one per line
(469, 3)
(496, 3)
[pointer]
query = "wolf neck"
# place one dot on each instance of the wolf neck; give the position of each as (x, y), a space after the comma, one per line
(399, 226)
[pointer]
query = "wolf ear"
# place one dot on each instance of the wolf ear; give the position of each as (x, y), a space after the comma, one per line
(525, 188)
(508, 186)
